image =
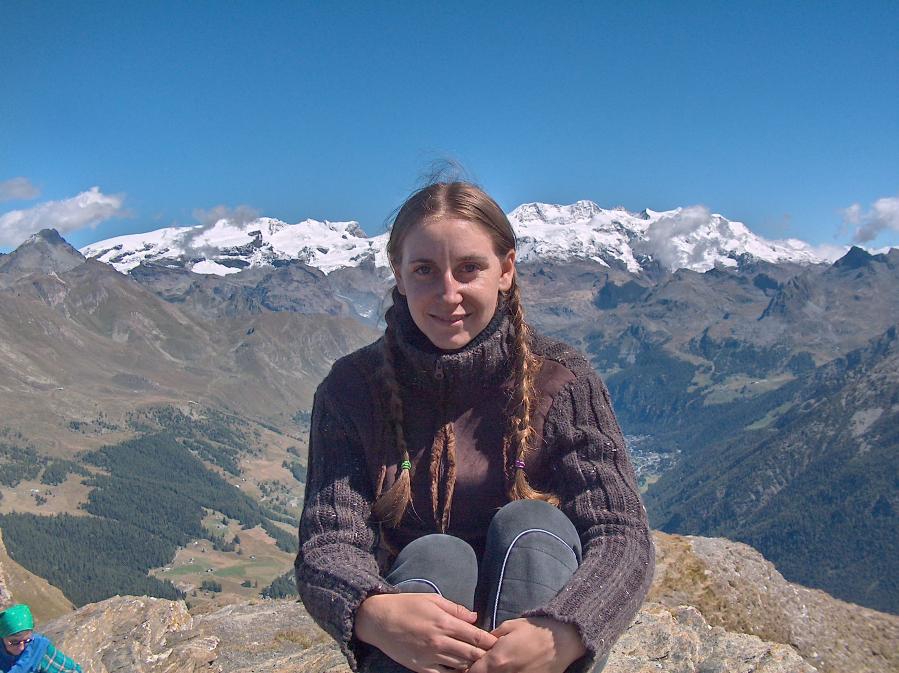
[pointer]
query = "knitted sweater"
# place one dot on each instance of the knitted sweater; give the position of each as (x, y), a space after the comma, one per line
(579, 455)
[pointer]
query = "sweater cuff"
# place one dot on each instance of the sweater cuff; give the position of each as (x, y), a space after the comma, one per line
(344, 605)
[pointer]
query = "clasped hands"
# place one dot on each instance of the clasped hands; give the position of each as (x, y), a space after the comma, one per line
(430, 634)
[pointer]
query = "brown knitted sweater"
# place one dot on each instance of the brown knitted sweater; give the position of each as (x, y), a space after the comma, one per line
(580, 456)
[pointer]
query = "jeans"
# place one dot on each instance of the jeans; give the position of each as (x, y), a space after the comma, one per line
(532, 551)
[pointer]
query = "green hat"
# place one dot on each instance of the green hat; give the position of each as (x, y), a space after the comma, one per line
(14, 619)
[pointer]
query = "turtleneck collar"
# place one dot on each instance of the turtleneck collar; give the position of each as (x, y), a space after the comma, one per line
(485, 359)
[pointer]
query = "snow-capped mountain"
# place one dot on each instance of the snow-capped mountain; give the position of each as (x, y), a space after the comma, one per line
(228, 246)
(691, 238)
(683, 238)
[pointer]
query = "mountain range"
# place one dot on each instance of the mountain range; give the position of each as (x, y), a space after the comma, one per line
(689, 238)
(752, 378)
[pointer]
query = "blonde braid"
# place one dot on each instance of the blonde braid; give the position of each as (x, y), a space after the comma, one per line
(443, 449)
(519, 436)
(437, 449)
(390, 507)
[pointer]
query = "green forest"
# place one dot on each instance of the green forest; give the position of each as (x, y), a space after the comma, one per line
(149, 497)
(88, 558)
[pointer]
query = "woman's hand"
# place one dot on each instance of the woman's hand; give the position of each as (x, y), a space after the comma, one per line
(531, 645)
(424, 632)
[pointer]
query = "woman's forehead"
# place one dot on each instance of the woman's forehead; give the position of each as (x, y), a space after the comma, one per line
(461, 238)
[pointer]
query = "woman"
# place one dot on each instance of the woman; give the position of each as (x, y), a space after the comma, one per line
(25, 651)
(458, 412)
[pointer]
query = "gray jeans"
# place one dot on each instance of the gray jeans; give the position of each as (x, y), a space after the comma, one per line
(532, 551)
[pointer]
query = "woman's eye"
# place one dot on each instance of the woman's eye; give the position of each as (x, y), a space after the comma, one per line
(470, 268)
(421, 270)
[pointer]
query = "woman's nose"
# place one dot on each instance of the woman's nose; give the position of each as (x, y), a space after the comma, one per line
(450, 289)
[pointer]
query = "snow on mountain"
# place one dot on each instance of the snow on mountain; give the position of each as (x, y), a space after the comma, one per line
(581, 230)
(683, 238)
(691, 238)
(227, 247)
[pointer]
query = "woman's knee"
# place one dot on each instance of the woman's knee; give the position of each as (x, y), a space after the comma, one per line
(532, 551)
(436, 549)
(522, 516)
(440, 564)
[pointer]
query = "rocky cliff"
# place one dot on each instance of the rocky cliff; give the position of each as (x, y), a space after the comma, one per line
(715, 606)
(737, 589)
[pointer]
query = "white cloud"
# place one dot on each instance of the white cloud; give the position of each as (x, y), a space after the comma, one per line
(661, 235)
(883, 215)
(18, 189)
(238, 217)
(87, 209)
(828, 251)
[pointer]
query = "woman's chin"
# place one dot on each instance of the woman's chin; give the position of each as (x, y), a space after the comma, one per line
(449, 340)
(453, 344)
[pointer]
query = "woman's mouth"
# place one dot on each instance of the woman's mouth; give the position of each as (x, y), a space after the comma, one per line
(450, 320)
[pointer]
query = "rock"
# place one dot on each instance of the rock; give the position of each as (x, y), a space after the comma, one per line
(5, 594)
(270, 637)
(736, 588)
(153, 635)
(148, 635)
(128, 633)
(679, 640)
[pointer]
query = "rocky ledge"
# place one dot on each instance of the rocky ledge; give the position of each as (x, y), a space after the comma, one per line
(715, 607)
(152, 635)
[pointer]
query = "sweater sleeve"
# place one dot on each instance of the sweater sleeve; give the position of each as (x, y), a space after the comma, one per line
(598, 492)
(55, 661)
(336, 568)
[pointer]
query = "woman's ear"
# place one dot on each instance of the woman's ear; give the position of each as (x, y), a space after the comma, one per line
(507, 271)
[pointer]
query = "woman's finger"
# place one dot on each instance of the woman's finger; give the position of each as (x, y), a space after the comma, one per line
(470, 634)
(454, 609)
(459, 660)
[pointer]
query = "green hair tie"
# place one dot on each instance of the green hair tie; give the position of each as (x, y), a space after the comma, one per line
(406, 465)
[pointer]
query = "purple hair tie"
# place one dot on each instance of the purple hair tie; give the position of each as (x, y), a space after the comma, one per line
(519, 464)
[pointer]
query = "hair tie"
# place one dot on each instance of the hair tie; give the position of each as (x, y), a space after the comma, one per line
(519, 464)
(406, 465)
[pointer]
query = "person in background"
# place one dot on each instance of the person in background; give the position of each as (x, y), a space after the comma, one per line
(470, 503)
(25, 651)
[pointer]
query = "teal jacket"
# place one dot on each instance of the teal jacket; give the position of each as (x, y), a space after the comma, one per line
(40, 656)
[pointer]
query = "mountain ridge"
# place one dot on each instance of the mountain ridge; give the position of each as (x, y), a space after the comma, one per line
(829, 444)
(691, 238)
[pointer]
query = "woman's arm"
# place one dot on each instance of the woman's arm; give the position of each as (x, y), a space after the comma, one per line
(598, 491)
(336, 568)
(55, 661)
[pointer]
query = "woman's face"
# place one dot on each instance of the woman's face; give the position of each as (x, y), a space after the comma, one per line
(451, 277)
(17, 642)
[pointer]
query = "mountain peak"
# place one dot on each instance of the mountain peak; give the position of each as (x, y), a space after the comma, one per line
(578, 211)
(42, 253)
(49, 236)
(856, 258)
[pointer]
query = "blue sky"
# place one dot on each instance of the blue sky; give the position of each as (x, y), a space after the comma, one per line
(783, 115)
